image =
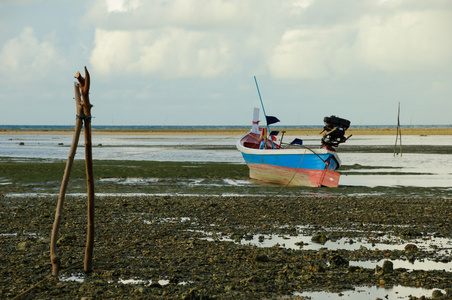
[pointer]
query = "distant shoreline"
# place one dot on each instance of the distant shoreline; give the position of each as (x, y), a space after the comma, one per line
(231, 131)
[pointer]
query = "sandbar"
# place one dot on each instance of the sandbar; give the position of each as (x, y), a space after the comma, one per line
(421, 131)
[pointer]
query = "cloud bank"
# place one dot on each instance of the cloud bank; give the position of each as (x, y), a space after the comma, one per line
(365, 54)
(214, 38)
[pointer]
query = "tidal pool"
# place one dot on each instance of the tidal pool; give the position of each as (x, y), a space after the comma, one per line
(372, 292)
(437, 248)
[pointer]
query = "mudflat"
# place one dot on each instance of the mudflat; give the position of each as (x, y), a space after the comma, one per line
(176, 247)
(151, 242)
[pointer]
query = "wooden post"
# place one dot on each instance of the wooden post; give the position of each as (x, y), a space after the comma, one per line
(67, 172)
(84, 84)
(398, 134)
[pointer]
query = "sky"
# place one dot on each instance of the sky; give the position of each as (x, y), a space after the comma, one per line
(193, 62)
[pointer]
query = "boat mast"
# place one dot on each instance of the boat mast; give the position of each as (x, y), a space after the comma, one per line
(263, 109)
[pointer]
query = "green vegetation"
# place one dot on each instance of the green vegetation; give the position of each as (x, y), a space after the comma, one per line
(38, 172)
(24, 176)
(44, 176)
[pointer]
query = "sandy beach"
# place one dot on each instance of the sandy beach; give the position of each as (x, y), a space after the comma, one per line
(226, 132)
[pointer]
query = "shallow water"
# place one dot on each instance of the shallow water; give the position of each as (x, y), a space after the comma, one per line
(81, 277)
(360, 292)
(124, 147)
(373, 292)
(304, 242)
(409, 169)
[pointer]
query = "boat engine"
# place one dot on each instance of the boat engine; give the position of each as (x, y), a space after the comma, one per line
(334, 131)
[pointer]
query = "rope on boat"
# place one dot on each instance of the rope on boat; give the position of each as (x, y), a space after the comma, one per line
(295, 173)
(298, 168)
(327, 163)
(314, 153)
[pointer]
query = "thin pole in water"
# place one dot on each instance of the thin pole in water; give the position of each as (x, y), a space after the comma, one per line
(398, 134)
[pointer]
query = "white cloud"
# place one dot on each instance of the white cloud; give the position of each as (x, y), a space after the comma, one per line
(173, 53)
(122, 5)
(213, 12)
(311, 53)
(396, 42)
(183, 39)
(347, 51)
(143, 15)
(302, 4)
(26, 57)
(406, 41)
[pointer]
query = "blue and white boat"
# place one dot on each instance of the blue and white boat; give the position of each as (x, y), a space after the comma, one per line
(292, 164)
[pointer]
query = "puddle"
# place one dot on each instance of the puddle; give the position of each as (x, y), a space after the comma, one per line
(5, 181)
(371, 180)
(168, 220)
(172, 194)
(395, 292)
(437, 247)
(143, 282)
(81, 277)
(28, 234)
(304, 242)
(178, 181)
(237, 182)
(129, 180)
(82, 195)
(405, 264)
(78, 277)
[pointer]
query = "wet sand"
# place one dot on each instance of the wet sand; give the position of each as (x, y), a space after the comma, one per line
(233, 132)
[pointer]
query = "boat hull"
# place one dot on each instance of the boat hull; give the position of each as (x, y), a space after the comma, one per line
(294, 176)
(292, 167)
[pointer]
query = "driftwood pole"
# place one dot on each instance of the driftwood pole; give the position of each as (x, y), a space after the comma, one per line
(398, 134)
(67, 172)
(83, 115)
(84, 84)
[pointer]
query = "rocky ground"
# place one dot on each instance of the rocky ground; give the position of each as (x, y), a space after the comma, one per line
(161, 244)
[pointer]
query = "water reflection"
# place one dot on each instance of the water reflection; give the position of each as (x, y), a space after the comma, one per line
(396, 292)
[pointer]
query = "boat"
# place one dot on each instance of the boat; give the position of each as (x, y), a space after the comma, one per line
(293, 164)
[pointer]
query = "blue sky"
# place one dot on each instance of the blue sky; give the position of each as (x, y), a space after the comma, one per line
(192, 62)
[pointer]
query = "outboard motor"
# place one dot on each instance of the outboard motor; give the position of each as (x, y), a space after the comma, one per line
(334, 131)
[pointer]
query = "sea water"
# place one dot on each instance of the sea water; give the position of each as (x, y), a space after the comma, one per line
(407, 169)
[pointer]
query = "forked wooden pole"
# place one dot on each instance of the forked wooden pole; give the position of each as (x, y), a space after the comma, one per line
(84, 84)
(67, 172)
